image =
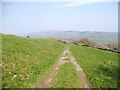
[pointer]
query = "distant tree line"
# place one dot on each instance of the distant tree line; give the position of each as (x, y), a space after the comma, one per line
(114, 47)
(89, 43)
(85, 42)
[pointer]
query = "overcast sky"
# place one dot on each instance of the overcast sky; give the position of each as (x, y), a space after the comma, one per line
(26, 17)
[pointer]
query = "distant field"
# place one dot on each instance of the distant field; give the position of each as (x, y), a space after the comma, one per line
(66, 77)
(25, 60)
(101, 67)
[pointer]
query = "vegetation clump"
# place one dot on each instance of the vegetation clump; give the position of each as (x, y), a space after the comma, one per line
(85, 42)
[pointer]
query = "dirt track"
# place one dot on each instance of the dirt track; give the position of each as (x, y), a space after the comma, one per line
(46, 81)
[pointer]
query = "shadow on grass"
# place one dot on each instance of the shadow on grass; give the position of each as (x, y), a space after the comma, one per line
(110, 73)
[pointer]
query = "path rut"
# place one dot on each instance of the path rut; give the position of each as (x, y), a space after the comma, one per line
(46, 81)
(82, 77)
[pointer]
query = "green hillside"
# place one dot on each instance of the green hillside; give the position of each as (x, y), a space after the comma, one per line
(26, 60)
(101, 67)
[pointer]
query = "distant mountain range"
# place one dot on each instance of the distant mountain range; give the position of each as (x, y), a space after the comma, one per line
(103, 37)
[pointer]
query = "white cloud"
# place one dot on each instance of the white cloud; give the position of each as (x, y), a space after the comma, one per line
(35, 0)
(82, 2)
(70, 1)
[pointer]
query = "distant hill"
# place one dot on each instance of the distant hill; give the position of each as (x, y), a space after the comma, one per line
(103, 37)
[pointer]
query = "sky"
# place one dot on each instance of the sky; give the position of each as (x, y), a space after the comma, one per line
(25, 17)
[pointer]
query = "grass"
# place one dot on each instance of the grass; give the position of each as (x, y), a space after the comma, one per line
(25, 60)
(66, 77)
(66, 58)
(0, 61)
(100, 66)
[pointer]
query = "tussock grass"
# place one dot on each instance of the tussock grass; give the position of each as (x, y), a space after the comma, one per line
(25, 60)
(100, 66)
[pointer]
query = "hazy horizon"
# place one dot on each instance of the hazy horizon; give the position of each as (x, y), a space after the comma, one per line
(27, 17)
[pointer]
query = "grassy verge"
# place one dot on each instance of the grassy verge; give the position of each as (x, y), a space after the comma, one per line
(66, 77)
(25, 60)
(100, 66)
(0, 61)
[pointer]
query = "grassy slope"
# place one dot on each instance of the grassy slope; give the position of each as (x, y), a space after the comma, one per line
(100, 66)
(25, 60)
(0, 61)
(66, 77)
